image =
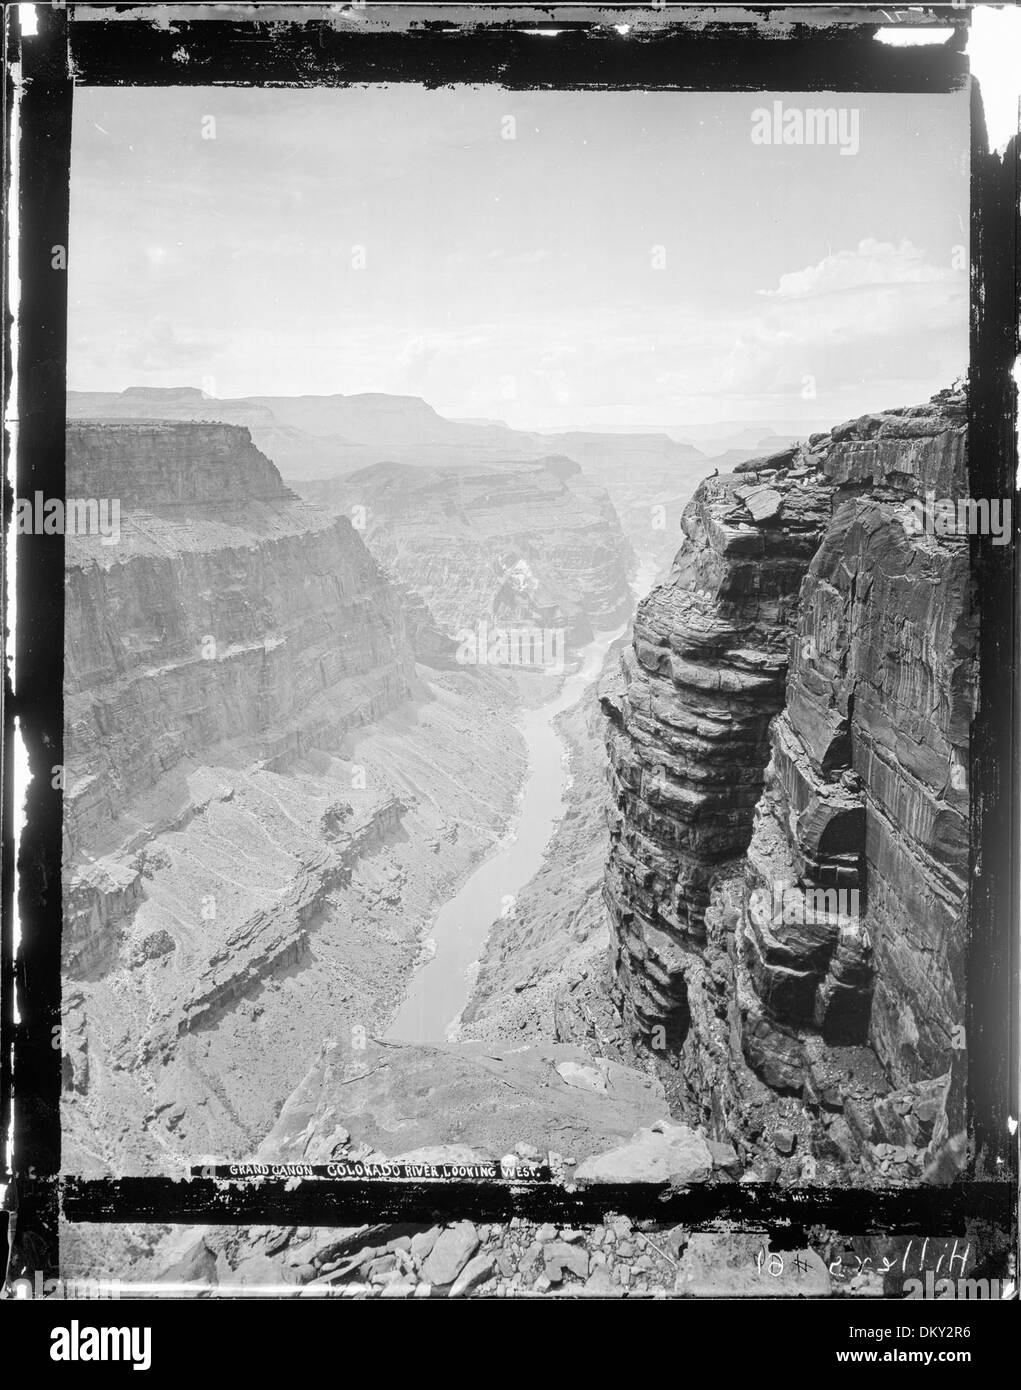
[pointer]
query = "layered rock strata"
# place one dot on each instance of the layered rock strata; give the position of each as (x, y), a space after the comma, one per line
(689, 719)
(836, 933)
(227, 612)
(531, 544)
(263, 800)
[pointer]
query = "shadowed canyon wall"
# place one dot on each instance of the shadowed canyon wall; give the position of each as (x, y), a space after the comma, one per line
(534, 542)
(788, 742)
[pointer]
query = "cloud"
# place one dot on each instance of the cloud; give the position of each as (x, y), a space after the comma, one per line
(158, 347)
(520, 258)
(871, 263)
(878, 310)
(415, 360)
(161, 348)
(909, 330)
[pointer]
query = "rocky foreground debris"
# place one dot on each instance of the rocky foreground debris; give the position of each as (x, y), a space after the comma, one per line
(615, 1259)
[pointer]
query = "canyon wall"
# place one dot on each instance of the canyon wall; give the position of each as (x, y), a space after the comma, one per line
(788, 743)
(648, 477)
(227, 611)
(689, 718)
(534, 543)
(263, 802)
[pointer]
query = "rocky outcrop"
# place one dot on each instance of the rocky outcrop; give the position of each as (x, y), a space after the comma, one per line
(689, 718)
(527, 544)
(156, 466)
(432, 647)
(271, 938)
(790, 900)
(293, 450)
(404, 1099)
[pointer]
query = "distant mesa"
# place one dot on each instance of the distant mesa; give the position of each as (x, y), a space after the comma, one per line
(164, 393)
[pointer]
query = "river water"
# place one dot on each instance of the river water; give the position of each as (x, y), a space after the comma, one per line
(440, 987)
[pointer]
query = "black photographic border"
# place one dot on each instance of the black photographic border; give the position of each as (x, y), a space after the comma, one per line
(777, 49)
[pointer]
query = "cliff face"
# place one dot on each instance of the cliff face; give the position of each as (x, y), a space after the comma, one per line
(789, 895)
(689, 721)
(870, 756)
(530, 544)
(262, 806)
(281, 442)
(649, 478)
(228, 611)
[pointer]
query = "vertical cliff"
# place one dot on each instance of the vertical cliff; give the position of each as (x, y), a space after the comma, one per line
(227, 612)
(689, 718)
(788, 742)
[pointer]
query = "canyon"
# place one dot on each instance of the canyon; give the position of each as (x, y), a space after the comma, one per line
(317, 441)
(278, 771)
(478, 542)
(268, 787)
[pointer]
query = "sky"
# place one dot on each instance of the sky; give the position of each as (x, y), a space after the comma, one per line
(627, 260)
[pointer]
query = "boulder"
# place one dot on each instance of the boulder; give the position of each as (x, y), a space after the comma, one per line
(478, 1269)
(742, 1266)
(724, 1157)
(454, 1247)
(559, 1256)
(663, 1153)
(784, 1141)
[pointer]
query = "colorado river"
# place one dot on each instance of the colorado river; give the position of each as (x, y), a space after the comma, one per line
(439, 988)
